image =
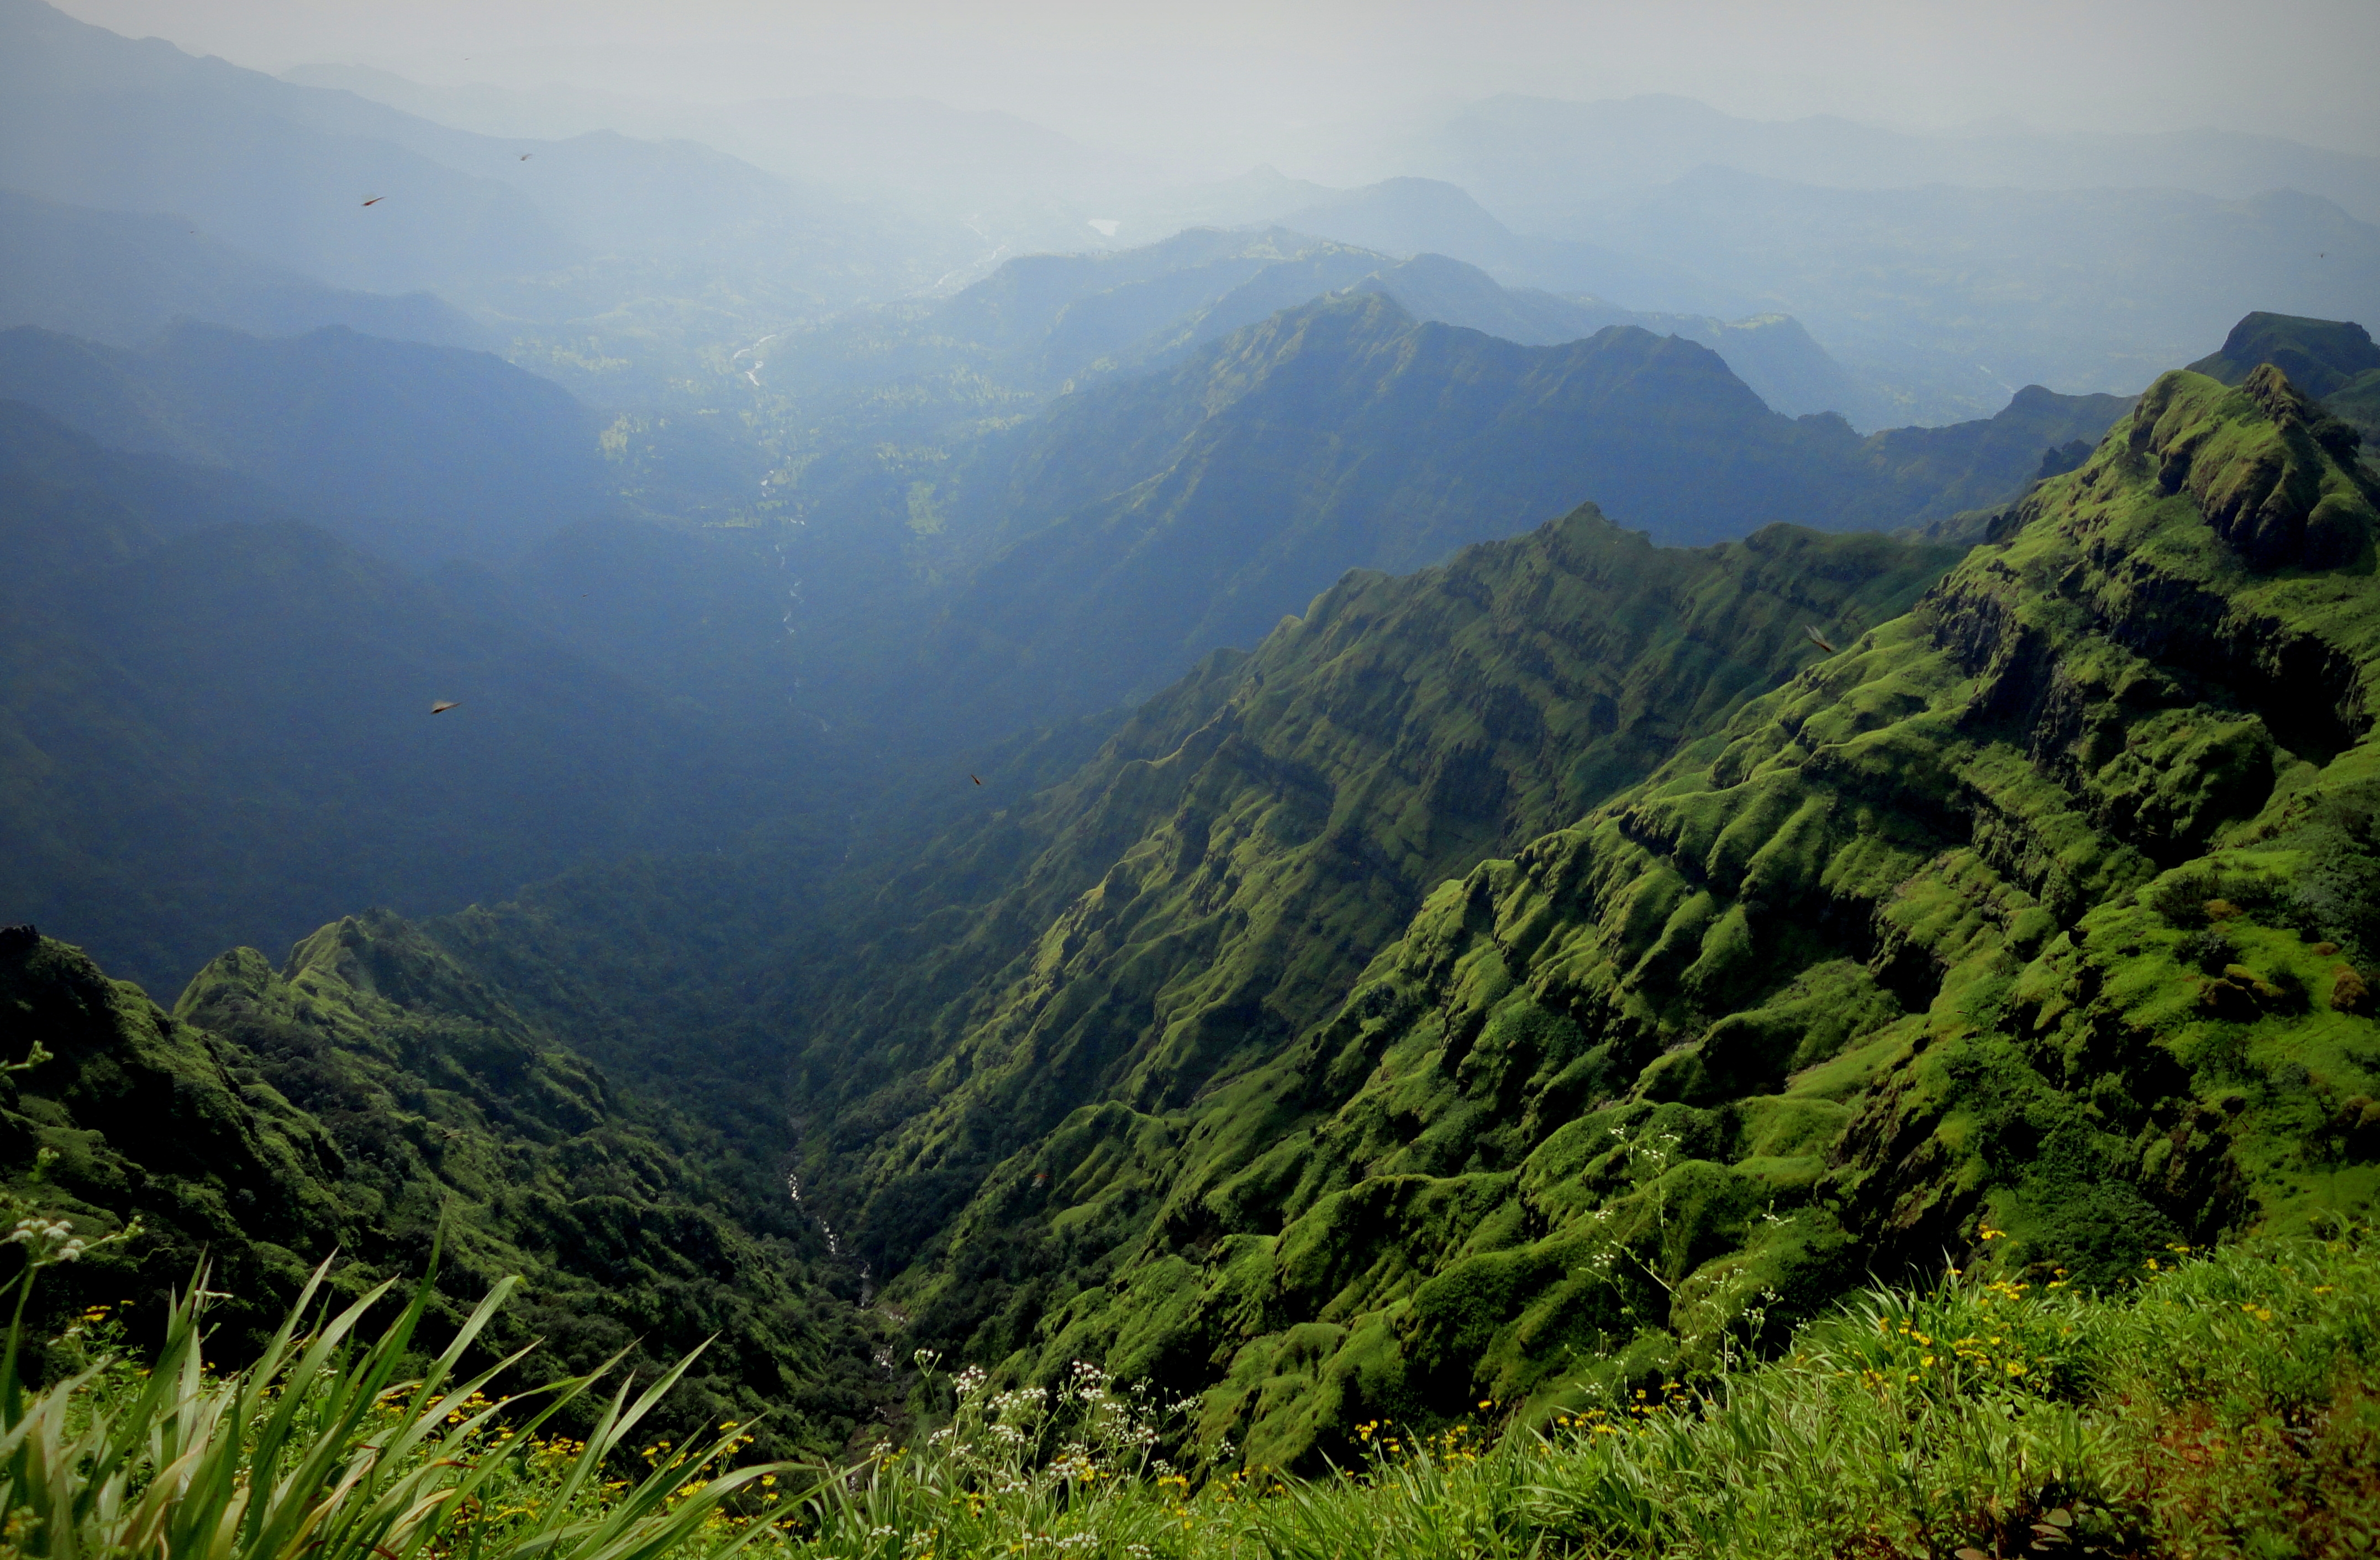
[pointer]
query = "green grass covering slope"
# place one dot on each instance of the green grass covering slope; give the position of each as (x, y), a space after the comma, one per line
(2047, 905)
(370, 1098)
(2222, 1407)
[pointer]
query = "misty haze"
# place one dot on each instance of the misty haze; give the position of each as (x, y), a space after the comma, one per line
(1170, 783)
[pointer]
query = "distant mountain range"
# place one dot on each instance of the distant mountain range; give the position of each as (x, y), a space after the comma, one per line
(1941, 301)
(1159, 517)
(1537, 160)
(528, 235)
(1043, 322)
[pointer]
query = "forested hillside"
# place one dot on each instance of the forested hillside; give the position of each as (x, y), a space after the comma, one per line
(371, 1098)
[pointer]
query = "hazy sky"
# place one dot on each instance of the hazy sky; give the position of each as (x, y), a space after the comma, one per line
(1232, 77)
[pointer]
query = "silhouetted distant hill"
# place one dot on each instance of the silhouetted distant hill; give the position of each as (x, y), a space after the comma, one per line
(1532, 159)
(1042, 321)
(2321, 357)
(419, 452)
(2333, 361)
(122, 276)
(1961, 295)
(1770, 352)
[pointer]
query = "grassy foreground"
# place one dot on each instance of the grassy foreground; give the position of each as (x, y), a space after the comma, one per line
(2225, 1405)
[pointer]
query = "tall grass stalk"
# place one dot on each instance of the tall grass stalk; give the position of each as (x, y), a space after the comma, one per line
(325, 1449)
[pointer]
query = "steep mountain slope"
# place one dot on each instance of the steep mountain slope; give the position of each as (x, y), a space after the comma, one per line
(1194, 508)
(417, 453)
(2045, 910)
(368, 1098)
(121, 277)
(1208, 884)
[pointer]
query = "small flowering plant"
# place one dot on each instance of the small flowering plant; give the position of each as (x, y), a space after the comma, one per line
(1056, 1470)
(1999, 1337)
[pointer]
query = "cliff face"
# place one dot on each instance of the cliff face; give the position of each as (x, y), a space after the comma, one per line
(2048, 907)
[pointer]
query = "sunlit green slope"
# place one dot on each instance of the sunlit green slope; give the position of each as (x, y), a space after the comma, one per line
(2046, 907)
(1211, 883)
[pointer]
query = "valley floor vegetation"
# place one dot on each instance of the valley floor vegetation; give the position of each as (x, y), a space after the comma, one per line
(2224, 1403)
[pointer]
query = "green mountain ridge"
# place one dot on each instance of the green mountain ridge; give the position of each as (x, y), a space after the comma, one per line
(2037, 907)
(1211, 883)
(370, 1098)
(2045, 905)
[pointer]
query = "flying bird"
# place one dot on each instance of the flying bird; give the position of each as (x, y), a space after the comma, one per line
(1817, 638)
(375, 199)
(978, 782)
(443, 705)
(526, 156)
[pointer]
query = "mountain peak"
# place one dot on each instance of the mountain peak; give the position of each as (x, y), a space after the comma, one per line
(2319, 356)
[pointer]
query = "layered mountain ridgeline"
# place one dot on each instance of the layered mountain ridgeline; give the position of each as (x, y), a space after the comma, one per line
(215, 724)
(2332, 360)
(418, 453)
(1197, 506)
(370, 1098)
(1043, 323)
(2031, 930)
